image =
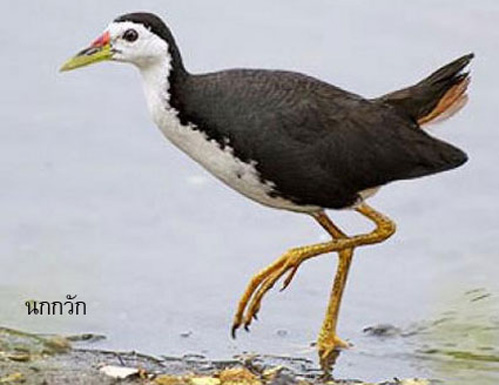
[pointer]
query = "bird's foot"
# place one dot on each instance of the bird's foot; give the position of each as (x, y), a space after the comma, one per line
(292, 260)
(262, 282)
(329, 348)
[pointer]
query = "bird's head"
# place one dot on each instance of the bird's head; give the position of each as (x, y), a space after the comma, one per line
(138, 38)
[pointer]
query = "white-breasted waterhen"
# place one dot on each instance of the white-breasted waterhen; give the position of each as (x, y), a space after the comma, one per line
(290, 141)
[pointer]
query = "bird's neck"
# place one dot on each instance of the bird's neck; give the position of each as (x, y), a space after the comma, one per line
(156, 83)
(160, 79)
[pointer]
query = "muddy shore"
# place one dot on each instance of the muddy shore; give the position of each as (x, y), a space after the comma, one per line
(52, 360)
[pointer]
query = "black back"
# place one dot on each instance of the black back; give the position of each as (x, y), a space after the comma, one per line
(319, 145)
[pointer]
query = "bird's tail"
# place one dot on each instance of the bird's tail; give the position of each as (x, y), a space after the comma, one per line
(437, 97)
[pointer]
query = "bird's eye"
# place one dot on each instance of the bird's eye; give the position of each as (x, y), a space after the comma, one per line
(130, 35)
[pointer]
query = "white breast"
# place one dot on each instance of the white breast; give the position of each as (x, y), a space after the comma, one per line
(222, 163)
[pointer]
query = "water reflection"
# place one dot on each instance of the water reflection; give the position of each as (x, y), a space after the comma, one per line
(463, 341)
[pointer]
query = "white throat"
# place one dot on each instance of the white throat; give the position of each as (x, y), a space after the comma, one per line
(156, 86)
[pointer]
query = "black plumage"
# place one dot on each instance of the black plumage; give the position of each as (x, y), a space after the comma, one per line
(318, 144)
(315, 143)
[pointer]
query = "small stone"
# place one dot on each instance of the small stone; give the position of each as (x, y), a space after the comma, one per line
(119, 372)
(170, 380)
(238, 376)
(57, 344)
(275, 376)
(13, 378)
(204, 381)
(19, 357)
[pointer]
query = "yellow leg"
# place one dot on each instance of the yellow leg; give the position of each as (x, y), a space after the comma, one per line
(328, 342)
(290, 261)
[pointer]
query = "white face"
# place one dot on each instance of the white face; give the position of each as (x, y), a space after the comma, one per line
(134, 43)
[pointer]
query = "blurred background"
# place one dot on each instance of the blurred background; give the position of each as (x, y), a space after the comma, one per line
(95, 202)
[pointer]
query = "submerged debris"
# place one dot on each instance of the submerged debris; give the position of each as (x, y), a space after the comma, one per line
(382, 330)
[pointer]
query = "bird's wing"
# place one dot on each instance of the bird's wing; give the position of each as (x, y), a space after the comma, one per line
(316, 143)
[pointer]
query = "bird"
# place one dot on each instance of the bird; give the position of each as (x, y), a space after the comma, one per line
(290, 141)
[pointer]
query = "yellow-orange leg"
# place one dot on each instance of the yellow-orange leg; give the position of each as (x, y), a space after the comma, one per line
(328, 342)
(290, 261)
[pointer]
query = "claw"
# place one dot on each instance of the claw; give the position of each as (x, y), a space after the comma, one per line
(289, 278)
(233, 332)
(263, 282)
(247, 322)
(256, 311)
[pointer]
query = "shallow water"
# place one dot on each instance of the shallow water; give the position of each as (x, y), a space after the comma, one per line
(94, 202)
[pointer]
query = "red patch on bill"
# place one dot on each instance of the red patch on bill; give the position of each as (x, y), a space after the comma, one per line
(102, 40)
